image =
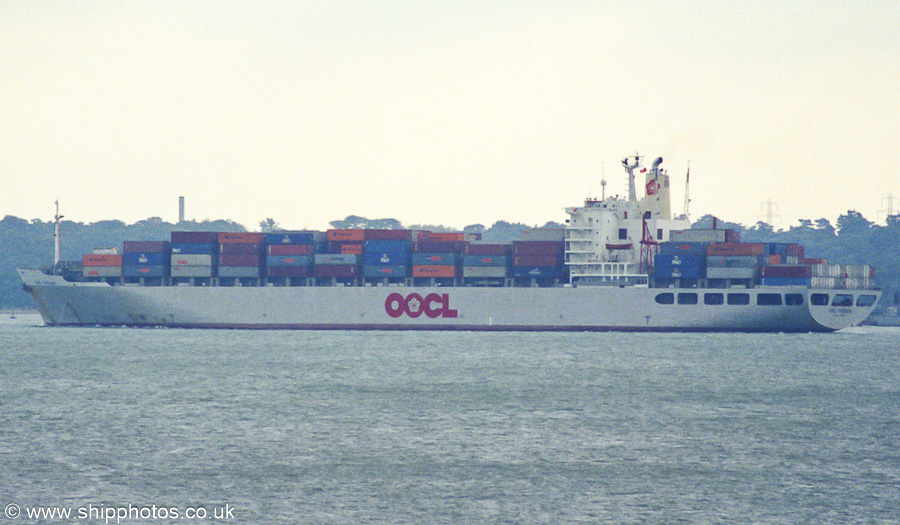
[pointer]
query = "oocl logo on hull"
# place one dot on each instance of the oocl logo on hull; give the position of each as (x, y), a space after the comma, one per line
(433, 305)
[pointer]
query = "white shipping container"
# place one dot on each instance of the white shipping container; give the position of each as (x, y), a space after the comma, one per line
(238, 271)
(697, 236)
(484, 271)
(855, 270)
(823, 282)
(183, 259)
(857, 283)
(730, 273)
(191, 271)
(826, 270)
(544, 234)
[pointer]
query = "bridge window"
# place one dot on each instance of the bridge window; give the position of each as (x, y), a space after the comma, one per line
(623, 234)
(865, 301)
(793, 299)
(819, 299)
(713, 298)
(738, 299)
(768, 299)
(842, 300)
(665, 298)
(687, 298)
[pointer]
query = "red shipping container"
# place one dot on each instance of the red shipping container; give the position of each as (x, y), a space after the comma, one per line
(795, 250)
(538, 248)
(433, 271)
(239, 260)
(101, 260)
(242, 237)
(785, 270)
(388, 235)
(336, 270)
(195, 237)
(235, 248)
(288, 271)
(345, 235)
(736, 248)
(433, 246)
(488, 249)
(351, 249)
(290, 249)
(537, 260)
(146, 247)
(815, 261)
(448, 237)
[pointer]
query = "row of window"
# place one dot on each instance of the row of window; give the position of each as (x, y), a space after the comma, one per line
(763, 299)
(842, 299)
(623, 233)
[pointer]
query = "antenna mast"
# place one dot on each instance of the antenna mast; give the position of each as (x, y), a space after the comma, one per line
(629, 168)
(56, 239)
(687, 193)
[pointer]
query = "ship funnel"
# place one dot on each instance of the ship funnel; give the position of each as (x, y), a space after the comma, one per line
(657, 162)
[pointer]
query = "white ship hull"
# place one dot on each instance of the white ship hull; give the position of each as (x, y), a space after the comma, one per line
(589, 308)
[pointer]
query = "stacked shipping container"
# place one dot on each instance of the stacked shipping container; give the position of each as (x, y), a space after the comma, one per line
(386, 258)
(540, 260)
(486, 261)
(101, 265)
(290, 254)
(145, 259)
(194, 254)
(393, 254)
(241, 254)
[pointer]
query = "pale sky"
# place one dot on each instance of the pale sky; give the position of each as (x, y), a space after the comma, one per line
(442, 112)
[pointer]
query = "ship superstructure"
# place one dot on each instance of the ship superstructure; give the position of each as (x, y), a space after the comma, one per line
(611, 241)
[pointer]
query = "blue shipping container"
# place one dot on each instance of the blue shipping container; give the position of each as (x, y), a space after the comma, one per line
(777, 248)
(289, 260)
(144, 271)
(445, 259)
(396, 270)
(337, 258)
(145, 259)
(291, 238)
(387, 246)
(485, 260)
(537, 272)
(680, 260)
(195, 249)
(679, 272)
(385, 258)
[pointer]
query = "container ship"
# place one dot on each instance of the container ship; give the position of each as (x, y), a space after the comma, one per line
(620, 264)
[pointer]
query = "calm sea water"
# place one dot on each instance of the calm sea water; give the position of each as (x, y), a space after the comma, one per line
(368, 427)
